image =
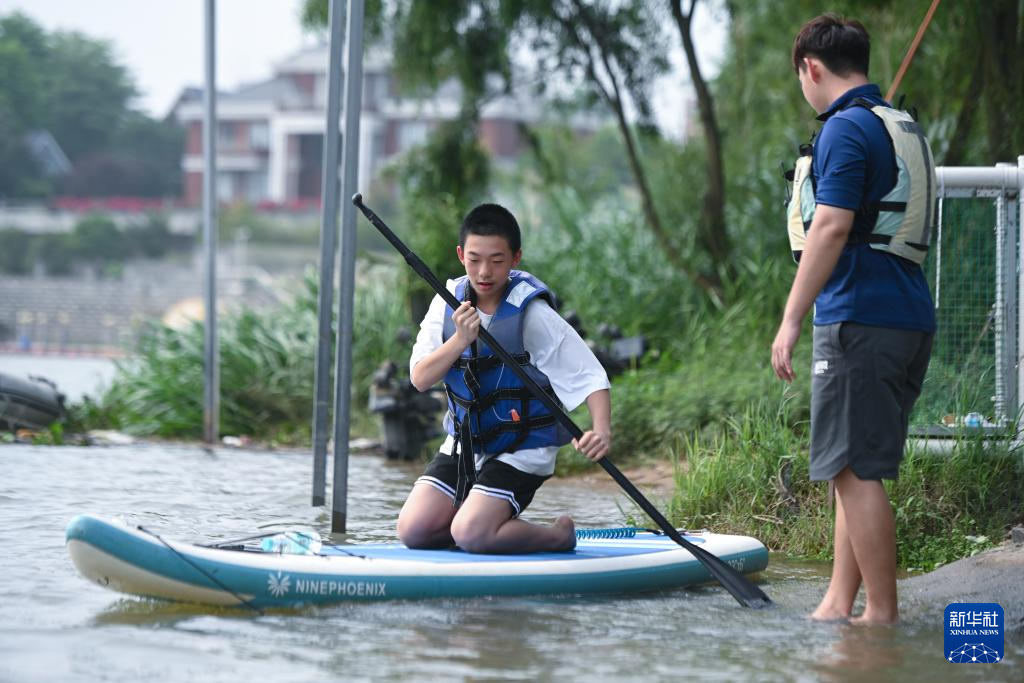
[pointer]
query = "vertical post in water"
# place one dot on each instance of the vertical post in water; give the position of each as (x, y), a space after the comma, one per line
(211, 364)
(349, 185)
(328, 251)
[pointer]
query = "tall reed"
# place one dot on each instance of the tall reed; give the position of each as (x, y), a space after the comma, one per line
(267, 361)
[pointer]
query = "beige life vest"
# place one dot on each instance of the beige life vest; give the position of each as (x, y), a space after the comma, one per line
(904, 217)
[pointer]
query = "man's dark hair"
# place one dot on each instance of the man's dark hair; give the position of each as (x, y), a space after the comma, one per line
(491, 219)
(842, 45)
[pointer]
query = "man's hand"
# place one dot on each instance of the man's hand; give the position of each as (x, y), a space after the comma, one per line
(825, 242)
(467, 323)
(782, 349)
(594, 445)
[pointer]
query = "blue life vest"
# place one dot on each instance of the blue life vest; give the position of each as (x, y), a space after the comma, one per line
(490, 411)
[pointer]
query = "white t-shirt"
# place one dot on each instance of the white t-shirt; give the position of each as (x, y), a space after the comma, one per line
(555, 348)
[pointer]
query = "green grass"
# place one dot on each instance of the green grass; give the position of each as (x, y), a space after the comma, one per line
(267, 365)
(753, 479)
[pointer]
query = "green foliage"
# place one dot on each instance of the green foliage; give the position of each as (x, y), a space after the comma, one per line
(142, 158)
(88, 93)
(21, 87)
(440, 181)
(267, 361)
(95, 240)
(14, 250)
(315, 15)
(753, 479)
(55, 252)
(954, 500)
(152, 239)
(242, 219)
(72, 86)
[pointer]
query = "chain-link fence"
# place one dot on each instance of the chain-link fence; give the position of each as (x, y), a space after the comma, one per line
(973, 270)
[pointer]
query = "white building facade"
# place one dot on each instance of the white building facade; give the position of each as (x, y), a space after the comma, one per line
(270, 134)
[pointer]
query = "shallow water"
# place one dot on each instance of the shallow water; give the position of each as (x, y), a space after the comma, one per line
(56, 626)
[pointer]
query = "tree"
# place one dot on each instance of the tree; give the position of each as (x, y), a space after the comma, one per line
(88, 94)
(71, 86)
(14, 248)
(610, 45)
(608, 51)
(96, 238)
(21, 103)
(143, 158)
(712, 227)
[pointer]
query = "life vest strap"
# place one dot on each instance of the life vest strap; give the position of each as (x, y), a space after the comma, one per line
(485, 402)
(872, 238)
(485, 363)
(524, 426)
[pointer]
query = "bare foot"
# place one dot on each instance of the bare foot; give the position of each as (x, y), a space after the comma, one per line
(875, 619)
(566, 525)
(827, 612)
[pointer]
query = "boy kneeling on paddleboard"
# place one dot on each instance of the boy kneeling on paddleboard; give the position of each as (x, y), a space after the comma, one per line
(502, 441)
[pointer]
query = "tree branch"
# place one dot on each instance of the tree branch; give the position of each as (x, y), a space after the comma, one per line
(712, 229)
(711, 285)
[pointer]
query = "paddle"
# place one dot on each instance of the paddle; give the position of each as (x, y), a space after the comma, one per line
(745, 592)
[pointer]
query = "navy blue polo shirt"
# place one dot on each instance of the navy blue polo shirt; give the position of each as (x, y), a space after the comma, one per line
(853, 164)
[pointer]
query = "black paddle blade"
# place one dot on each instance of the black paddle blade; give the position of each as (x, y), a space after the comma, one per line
(743, 589)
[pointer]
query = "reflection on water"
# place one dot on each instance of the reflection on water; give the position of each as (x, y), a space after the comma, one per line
(58, 627)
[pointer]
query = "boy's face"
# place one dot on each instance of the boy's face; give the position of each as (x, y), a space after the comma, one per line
(488, 260)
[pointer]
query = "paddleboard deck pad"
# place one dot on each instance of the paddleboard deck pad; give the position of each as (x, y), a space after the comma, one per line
(132, 560)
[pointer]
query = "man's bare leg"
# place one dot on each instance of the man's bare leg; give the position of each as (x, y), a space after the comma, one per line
(484, 524)
(872, 530)
(426, 518)
(842, 589)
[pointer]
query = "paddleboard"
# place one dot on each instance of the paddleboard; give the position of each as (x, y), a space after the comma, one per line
(132, 560)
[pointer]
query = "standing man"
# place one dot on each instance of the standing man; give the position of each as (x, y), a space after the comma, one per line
(860, 221)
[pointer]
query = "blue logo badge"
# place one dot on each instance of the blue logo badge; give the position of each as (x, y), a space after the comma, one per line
(974, 632)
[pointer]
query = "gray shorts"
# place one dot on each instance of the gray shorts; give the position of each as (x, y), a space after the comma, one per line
(864, 382)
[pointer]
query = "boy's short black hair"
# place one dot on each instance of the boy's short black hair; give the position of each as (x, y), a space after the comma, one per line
(491, 219)
(842, 45)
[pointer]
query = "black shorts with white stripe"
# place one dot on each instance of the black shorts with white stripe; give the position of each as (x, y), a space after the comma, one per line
(496, 479)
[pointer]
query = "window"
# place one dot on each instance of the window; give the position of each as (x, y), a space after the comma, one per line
(259, 135)
(226, 135)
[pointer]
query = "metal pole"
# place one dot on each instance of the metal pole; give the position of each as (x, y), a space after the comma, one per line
(328, 252)
(999, 400)
(343, 360)
(1019, 406)
(1011, 352)
(980, 177)
(211, 364)
(1006, 343)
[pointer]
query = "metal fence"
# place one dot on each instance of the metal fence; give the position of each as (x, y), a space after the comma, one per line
(975, 377)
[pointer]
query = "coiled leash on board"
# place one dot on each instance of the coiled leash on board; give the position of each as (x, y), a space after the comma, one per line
(618, 532)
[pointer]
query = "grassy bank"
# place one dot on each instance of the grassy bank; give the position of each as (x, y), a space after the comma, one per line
(752, 479)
